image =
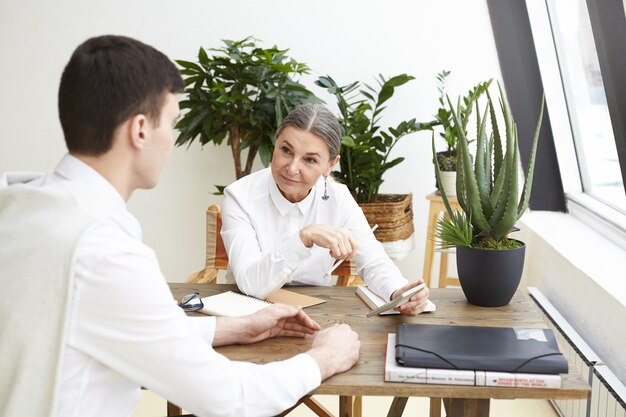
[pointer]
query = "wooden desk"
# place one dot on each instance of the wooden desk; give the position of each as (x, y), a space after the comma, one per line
(366, 377)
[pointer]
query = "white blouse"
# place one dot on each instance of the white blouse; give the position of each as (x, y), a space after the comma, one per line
(126, 331)
(261, 228)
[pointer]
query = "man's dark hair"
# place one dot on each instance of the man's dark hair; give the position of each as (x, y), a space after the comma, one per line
(108, 80)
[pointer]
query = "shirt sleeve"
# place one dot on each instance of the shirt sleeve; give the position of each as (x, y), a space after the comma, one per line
(205, 326)
(127, 319)
(373, 264)
(257, 274)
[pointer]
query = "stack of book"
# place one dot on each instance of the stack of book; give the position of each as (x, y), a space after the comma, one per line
(472, 355)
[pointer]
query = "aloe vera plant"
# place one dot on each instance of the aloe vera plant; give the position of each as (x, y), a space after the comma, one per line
(487, 189)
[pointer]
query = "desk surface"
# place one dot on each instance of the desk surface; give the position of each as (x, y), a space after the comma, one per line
(366, 378)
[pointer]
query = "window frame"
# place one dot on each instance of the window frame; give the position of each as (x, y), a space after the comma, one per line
(533, 18)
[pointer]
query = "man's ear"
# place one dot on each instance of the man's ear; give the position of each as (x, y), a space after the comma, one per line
(138, 126)
(332, 165)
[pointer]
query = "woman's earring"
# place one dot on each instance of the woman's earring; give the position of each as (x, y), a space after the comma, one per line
(325, 196)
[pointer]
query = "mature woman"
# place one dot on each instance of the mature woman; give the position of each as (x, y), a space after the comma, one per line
(289, 223)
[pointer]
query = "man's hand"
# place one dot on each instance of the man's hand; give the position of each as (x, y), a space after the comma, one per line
(275, 320)
(417, 302)
(335, 349)
(338, 241)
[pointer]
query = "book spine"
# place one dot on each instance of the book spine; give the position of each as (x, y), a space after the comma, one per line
(447, 377)
(414, 375)
(472, 378)
(504, 379)
(431, 376)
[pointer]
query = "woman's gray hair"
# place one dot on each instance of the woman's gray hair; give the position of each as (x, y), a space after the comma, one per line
(317, 120)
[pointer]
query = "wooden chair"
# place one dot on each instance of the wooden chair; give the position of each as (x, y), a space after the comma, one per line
(217, 259)
(435, 211)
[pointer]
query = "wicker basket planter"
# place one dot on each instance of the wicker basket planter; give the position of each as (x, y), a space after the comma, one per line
(393, 213)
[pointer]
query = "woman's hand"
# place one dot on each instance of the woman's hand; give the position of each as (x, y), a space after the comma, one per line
(416, 304)
(338, 241)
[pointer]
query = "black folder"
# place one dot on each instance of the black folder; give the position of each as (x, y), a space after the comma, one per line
(500, 349)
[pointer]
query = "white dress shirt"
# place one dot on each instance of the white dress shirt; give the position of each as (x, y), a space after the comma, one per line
(126, 331)
(261, 232)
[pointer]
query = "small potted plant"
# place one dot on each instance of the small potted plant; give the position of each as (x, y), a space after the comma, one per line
(366, 149)
(488, 261)
(240, 95)
(449, 132)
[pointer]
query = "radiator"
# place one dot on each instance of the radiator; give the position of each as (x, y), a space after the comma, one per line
(608, 393)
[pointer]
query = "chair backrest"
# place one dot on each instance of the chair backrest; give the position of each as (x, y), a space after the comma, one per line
(217, 258)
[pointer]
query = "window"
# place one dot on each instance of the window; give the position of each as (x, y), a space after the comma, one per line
(586, 102)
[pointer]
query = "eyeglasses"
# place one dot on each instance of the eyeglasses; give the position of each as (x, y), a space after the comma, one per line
(191, 302)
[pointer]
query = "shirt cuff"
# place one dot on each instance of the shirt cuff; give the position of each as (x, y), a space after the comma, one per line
(385, 288)
(205, 327)
(309, 369)
(293, 251)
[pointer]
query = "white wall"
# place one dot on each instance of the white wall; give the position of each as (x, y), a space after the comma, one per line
(582, 274)
(350, 40)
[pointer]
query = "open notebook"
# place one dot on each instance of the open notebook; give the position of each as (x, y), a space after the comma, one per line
(234, 304)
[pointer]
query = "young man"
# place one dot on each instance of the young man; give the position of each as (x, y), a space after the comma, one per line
(86, 317)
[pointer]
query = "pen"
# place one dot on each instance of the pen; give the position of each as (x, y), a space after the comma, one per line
(339, 261)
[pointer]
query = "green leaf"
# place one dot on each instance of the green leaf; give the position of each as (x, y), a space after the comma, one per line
(460, 181)
(203, 57)
(399, 80)
(265, 153)
(189, 65)
(506, 223)
(393, 163)
(325, 82)
(368, 95)
(453, 232)
(471, 187)
(348, 141)
(482, 179)
(523, 204)
(195, 120)
(388, 87)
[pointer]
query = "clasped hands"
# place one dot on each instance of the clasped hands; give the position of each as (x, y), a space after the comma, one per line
(335, 349)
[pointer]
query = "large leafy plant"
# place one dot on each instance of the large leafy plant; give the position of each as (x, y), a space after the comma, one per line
(366, 146)
(488, 187)
(240, 94)
(444, 117)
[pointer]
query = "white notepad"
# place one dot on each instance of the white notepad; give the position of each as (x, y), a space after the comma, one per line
(232, 304)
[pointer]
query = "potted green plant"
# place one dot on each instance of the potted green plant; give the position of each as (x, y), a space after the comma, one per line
(488, 261)
(366, 152)
(240, 94)
(446, 159)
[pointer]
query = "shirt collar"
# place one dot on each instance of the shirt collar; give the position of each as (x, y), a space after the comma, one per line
(283, 205)
(90, 180)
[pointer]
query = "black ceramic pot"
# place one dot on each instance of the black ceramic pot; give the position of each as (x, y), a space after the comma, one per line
(489, 278)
